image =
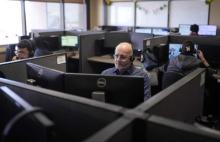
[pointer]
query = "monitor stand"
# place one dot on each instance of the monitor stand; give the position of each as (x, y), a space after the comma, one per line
(98, 95)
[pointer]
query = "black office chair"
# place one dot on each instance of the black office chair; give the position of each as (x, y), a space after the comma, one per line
(10, 52)
(170, 78)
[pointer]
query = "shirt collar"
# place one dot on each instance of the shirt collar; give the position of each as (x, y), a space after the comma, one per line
(127, 72)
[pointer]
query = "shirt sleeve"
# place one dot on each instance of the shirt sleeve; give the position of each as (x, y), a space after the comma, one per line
(147, 87)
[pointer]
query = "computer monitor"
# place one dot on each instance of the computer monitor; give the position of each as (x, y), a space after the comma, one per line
(184, 29)
(143, 30)
(20, 121)
(44, 77)
(126, 91)
(50, 43)
(174, 50)
(207, 30)
(160, 31)
(70, 41)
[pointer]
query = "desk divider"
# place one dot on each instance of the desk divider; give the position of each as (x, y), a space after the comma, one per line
(16, 70)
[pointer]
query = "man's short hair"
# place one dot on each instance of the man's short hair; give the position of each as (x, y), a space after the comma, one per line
(26, 43)
(188, 48)
(194, 28)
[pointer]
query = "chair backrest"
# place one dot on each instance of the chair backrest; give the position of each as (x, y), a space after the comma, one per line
(170, 78)
(10, 52)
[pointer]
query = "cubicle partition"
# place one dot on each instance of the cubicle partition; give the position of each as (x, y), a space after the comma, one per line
(155, 41)
(75, 118)
(137, 40)
(152, 128)
(182, 101)
(88, 48)
(16, 70)
(157, 47)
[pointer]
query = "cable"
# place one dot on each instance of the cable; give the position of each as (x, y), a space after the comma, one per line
(9, 126)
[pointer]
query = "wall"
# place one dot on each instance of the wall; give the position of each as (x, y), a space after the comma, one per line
(96, 13)
(215, 13)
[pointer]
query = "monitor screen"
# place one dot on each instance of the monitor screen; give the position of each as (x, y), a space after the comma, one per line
(160, 31)
(69, 41)
(174, 50)
(184, 29)
(207, 29)
(126, 91)
(17, 123)
(44, 77)
(143, 30)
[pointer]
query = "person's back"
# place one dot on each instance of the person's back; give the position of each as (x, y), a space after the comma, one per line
(186, 61)
(194, 30)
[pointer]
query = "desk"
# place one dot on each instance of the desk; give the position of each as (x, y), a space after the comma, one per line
(73, 62)
(109, 60)
(73, 55)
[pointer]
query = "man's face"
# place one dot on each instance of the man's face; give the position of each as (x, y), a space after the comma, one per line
(22, 53)
(122, 56)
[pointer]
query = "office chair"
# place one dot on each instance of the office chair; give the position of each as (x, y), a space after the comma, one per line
(170, 78)
(10, 52)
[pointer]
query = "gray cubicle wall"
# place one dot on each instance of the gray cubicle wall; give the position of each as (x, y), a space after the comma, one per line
(155, 41)
(75, 118)
(138, 38)
(151, 128)
(16, 70)
(181, 101)
(208, 40)
(88, 49)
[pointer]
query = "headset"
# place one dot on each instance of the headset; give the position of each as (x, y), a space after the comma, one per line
(29, 45)
(132, 58)
(188, 48)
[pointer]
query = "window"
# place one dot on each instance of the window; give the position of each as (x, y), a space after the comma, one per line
(152, 14)
(42, 15)
(188, 12)
(74, 16)
(11, 21)
(121, 14)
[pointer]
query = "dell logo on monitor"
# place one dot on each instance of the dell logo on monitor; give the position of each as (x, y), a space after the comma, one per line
(101, 82)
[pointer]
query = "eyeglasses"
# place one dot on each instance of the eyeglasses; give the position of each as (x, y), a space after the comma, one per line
(121, 57)
(19, 52)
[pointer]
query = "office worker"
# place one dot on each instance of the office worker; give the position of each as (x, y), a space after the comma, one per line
(24, 50)
(186, 61)
(123, 60)
(194, 30)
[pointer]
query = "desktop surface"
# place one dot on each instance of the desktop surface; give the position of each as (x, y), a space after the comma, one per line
(108, 59)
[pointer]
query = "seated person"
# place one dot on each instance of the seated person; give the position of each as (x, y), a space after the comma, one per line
(10, 52)
(194, 30)
(123, 60)
(41, 47)
(186, 61)
(24, 50)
